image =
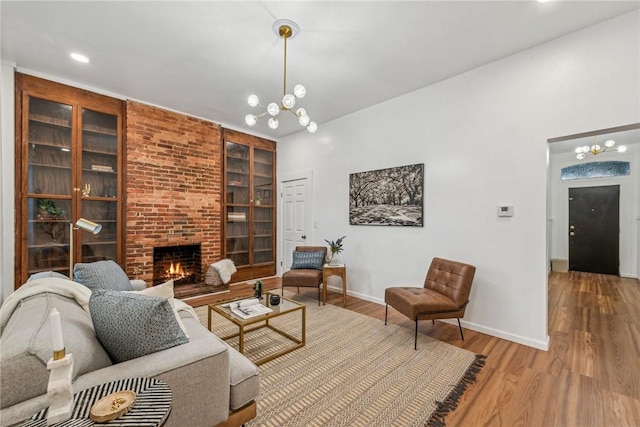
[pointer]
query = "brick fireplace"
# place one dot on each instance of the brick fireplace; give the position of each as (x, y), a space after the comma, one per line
(174, 186)
(181, 263)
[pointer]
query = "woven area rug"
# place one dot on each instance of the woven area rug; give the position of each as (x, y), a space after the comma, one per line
(353, 371)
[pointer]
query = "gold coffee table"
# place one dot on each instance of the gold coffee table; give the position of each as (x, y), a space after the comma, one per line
(245, 326)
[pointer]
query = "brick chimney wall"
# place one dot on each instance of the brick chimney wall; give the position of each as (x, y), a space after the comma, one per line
(174, 185)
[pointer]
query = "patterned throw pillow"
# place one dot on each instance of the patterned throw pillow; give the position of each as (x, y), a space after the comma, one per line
(307, 260)
(130, 325)
(102, 275)
(164, 290)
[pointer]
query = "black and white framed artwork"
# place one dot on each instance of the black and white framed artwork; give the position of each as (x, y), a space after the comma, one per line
(392, 196)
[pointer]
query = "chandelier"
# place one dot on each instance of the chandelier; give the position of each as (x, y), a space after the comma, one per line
(582, 152)
(285, 29)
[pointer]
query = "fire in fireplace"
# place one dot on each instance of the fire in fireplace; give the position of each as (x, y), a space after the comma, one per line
(181, 263)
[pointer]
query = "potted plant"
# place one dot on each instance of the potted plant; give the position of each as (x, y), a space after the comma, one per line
(256, 200)
(257, 287)
(336, 248)
(49, 209)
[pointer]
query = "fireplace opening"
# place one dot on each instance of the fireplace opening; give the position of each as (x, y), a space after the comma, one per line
(181, 263)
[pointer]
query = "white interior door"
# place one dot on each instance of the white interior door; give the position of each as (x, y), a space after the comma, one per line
(296, 228)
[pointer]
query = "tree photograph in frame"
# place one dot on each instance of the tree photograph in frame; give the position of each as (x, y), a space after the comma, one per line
(392, 196)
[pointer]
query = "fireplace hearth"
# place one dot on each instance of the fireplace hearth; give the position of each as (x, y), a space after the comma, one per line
(181, 263)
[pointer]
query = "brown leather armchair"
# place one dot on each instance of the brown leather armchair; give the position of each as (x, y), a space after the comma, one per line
(444, 296)
(305, 278)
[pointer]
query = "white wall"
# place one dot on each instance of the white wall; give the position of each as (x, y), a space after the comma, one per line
(7, 172)
(482, 137)
(629, 194)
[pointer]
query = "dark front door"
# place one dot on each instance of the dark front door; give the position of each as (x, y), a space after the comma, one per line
(594, 229)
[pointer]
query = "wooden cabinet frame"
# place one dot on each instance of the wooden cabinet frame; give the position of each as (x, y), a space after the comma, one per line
(250, 214)
(26, 87)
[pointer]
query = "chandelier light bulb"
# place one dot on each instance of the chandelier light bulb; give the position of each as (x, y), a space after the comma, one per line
(580, 156)
(301, 112)
(299, 91)
(250, 119)
(273, 109)
(609, 143)
(578, 150)
(304, 120)
(289, 101)
(253, 100)
(622, 149)
(312, 127)
(273, 123)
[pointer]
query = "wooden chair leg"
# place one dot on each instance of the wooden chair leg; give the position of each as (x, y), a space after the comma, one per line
(319, 295)
(415, 343)
(460, 327)
(386, 309)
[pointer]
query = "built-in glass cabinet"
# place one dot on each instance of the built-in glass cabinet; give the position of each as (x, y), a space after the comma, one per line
(249, 204)
(69, 143)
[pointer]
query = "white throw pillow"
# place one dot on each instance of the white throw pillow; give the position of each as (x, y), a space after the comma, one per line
(164, 290)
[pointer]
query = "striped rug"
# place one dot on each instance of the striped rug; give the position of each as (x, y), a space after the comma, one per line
(353, 371)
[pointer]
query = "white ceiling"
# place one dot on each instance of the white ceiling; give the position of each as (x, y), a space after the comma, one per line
(205, 58)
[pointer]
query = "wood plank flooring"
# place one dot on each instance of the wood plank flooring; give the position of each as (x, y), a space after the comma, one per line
(589, 377)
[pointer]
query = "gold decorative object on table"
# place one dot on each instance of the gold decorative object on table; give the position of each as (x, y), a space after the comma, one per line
(112, 406)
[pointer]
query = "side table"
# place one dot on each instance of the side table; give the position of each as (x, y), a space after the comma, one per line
(151, 408)
(334, 270)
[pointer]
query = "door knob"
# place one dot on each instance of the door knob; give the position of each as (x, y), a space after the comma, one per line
(572, 234)
(304, 237)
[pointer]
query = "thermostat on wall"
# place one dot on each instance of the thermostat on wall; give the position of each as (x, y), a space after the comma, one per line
(505, 210)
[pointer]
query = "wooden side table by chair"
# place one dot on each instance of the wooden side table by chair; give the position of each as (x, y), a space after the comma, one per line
(339, 270)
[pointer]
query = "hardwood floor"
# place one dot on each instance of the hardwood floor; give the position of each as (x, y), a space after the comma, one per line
(589, 377)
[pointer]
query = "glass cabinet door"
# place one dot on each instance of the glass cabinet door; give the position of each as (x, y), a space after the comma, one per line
(237, 203)
(99, 185)
(263, 206)
(49, 185)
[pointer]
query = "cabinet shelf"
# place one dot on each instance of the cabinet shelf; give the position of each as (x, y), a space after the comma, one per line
(50, 145)
(49, 245)
(101, 131)
(42, 165)
(50, 121)
(236, 252)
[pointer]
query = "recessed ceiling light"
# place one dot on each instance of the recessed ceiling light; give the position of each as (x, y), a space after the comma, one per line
(543, 1)
(80, 57)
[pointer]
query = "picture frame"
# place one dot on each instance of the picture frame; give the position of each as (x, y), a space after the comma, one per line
(391, 196)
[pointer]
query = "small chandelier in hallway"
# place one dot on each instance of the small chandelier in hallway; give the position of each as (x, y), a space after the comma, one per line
(285, 29)
(582, 152)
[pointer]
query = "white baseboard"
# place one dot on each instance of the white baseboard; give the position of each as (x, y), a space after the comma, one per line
(541, 345)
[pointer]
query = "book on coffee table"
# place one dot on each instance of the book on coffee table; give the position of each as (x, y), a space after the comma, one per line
(246, 309)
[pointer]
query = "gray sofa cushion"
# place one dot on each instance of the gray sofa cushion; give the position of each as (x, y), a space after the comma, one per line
(131, 325)
(244, 380)
(102, 275)
(44, 274)
(26, 346)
